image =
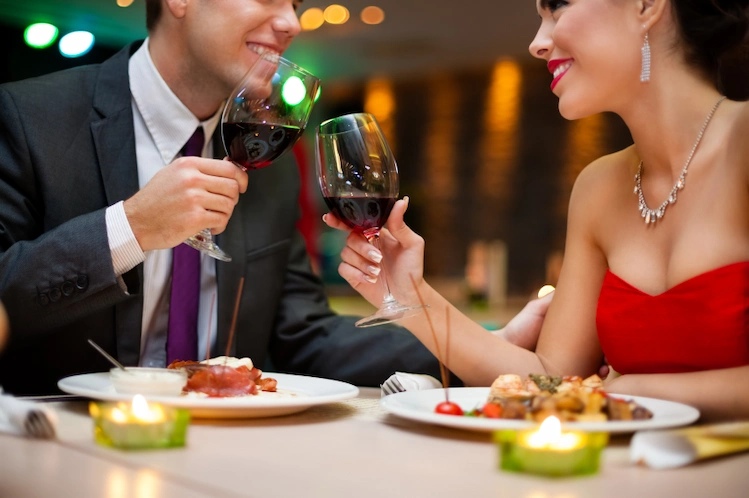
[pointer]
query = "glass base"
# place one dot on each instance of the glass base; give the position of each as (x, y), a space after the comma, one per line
(389, 312)
(204, 243)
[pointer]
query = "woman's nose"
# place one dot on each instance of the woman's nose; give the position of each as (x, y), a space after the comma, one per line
(541, 44)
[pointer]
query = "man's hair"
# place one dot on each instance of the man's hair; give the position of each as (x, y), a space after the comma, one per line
(153, 13)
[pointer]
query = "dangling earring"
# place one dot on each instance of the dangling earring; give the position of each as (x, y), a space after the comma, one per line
(645, 74)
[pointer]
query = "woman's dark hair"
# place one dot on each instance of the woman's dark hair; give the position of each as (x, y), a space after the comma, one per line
(715, 35)
(153, 13)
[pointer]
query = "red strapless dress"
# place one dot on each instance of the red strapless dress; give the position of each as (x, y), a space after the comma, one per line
(700, 324)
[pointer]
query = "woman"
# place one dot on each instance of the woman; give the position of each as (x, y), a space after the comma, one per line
(660, 289)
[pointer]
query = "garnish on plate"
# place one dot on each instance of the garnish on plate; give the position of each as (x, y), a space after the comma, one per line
(225, 376)
(446, 407)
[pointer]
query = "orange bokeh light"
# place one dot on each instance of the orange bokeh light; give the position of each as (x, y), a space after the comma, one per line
(372, 15)
(312, 19)
(336, 14)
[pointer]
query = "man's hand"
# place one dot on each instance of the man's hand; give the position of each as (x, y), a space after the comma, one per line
(524, 328)
(188, 195)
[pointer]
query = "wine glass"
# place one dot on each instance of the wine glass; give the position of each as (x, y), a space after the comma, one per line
(263, 118)
(358, 177)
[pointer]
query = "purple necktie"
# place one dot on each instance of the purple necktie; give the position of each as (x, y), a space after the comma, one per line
(182, 338)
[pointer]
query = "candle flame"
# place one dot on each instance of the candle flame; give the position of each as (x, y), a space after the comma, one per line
(143, 412)
(550, 435)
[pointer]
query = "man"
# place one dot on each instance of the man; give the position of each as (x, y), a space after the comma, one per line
(96, 188)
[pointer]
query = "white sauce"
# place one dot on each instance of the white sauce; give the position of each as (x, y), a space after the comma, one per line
(230, 361)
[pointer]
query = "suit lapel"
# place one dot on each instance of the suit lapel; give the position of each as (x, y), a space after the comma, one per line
(114, 140)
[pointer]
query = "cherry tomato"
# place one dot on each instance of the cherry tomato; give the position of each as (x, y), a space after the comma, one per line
(448, 408)
(492, 410)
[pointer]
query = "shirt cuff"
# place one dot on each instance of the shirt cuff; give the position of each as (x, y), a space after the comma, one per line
(124, 247)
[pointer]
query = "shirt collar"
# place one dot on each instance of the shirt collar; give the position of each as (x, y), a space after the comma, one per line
(170, 123)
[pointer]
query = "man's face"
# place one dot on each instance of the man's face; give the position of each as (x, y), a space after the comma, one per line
(225, 37)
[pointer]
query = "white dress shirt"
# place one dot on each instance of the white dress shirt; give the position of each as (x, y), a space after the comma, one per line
(162, 127)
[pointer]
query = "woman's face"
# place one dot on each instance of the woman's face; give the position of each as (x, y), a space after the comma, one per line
(592, 48)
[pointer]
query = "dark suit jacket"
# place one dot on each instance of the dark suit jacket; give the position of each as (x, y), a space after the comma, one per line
(67, 151)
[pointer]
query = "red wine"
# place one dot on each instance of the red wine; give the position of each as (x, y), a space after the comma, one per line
(256, 145)
(362, 214)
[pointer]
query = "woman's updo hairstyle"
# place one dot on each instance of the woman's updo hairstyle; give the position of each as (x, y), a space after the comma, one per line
(714, 33)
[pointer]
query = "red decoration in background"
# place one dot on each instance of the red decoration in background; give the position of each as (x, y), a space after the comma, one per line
(309, 220)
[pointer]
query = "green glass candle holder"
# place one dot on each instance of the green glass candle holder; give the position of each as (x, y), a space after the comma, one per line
(582, 458)
(124, 426)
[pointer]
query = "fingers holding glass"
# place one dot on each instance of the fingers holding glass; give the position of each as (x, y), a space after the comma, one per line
(368, 270)
(358, 178)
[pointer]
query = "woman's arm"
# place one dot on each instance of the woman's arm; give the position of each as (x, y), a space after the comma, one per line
(475, 354)
(568, 343)
(717, 394)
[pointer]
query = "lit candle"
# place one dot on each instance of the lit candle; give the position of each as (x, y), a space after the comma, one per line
(139, 425)
(550, 451)
(550, 436)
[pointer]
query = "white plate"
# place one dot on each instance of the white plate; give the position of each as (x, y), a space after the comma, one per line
(298, 393)
(420, 405)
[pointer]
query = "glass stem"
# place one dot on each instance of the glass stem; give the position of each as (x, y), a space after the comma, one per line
(388, 299)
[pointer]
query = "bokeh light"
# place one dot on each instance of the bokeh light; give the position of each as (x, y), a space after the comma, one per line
(124, 3)
(40, 35)
(293, 91)
(76, 44)
(336, 14)
(372, 15)
(312, 19)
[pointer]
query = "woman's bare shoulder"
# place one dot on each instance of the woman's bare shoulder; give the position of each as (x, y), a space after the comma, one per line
(605, 175)
(597, 186)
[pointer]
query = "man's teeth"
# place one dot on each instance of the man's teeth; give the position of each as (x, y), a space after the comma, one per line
(562, 68)
(261, 50)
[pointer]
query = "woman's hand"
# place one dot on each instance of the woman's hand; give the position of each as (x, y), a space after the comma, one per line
(401, 251)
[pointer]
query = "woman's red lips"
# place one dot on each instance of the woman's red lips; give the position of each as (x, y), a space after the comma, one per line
(558, 68)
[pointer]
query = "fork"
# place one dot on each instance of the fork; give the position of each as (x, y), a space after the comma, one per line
(392, 385)
(27, 418)
(38, 424)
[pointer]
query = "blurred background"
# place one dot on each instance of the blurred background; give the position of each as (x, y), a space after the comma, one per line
(483, 153)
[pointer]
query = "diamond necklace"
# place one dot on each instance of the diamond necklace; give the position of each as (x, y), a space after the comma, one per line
(653, 215)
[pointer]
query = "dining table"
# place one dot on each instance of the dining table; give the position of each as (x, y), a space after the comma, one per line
(351, 448)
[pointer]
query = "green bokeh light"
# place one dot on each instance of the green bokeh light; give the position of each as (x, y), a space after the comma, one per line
(317, 95)
(40, 35)
(293, 91)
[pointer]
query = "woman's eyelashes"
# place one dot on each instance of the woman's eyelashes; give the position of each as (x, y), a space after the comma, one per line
(554, 5)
